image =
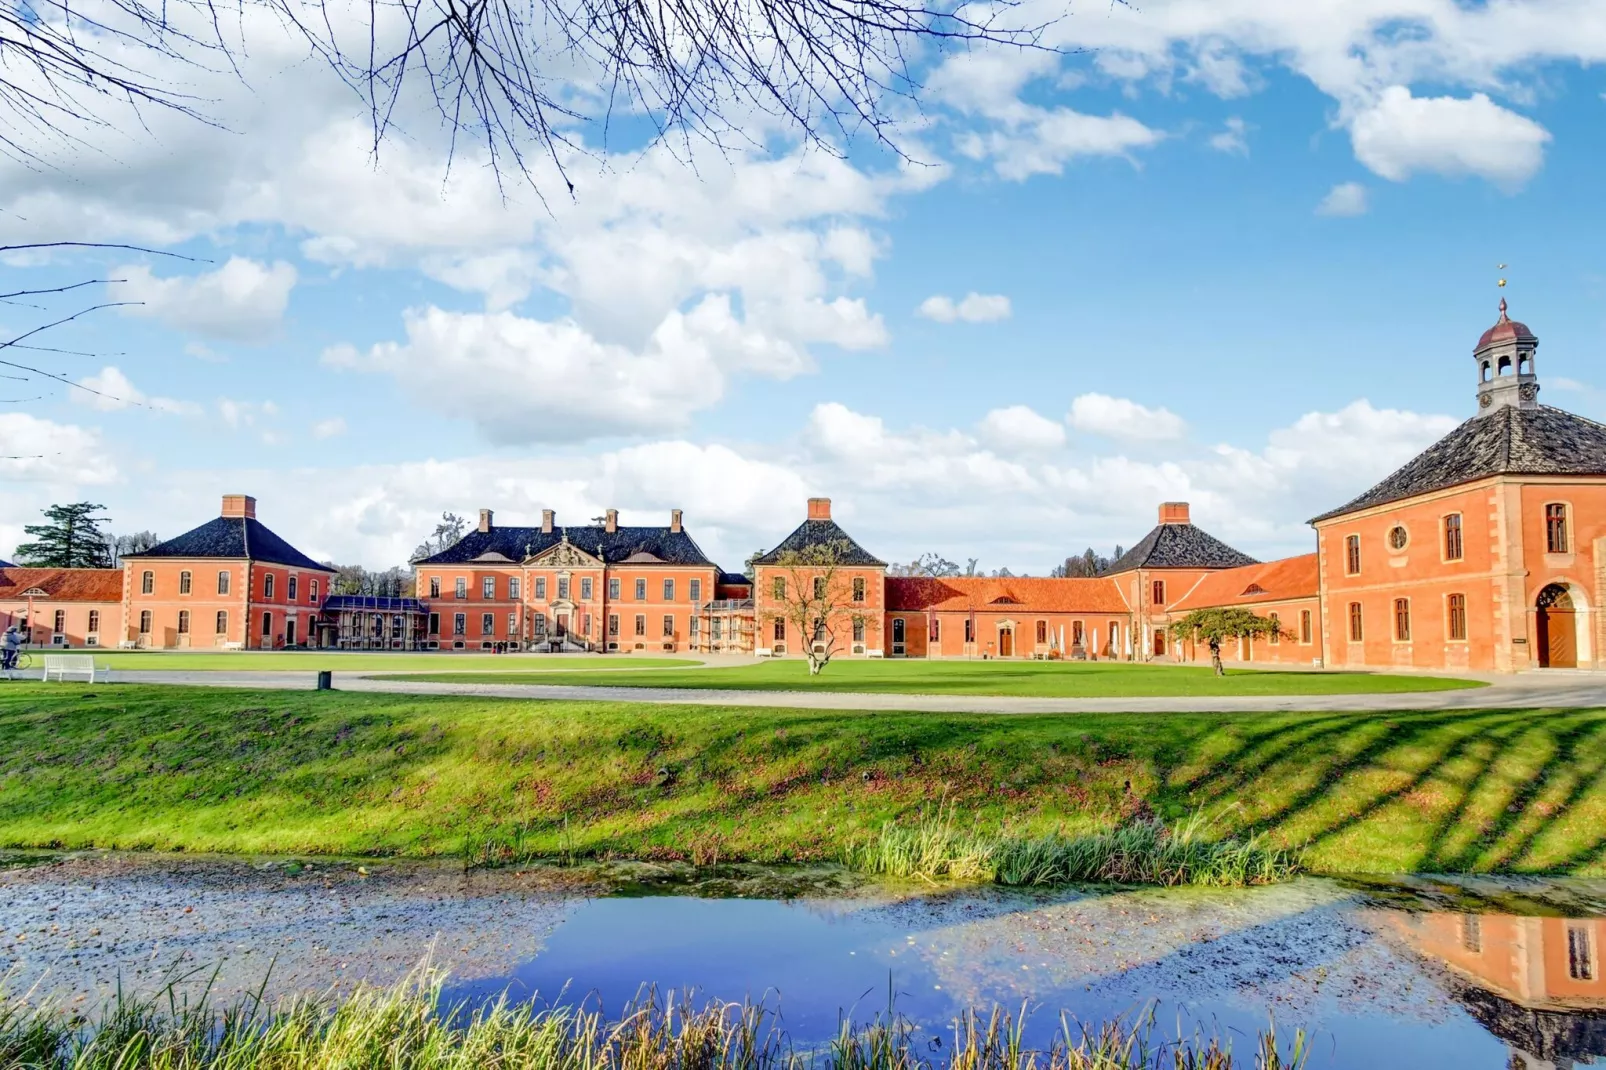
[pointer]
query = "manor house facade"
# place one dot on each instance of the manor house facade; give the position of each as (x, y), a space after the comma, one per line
(1485, 552)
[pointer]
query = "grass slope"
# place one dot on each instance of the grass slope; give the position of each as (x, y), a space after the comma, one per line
(1046, 679)
(356, 661)
(139, 766)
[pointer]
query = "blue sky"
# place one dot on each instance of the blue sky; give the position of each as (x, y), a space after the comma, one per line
(1231, 253)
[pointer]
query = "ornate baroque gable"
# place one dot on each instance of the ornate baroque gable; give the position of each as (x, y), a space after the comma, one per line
(565, 555)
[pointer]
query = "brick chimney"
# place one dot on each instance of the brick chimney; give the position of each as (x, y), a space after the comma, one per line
(485, 520)
(546, 521)
(1174, 513)
(239, 505)
(611, 520)
(674, 521)
(819, 508)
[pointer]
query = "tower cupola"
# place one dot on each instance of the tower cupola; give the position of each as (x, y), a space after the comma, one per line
(1505, 358)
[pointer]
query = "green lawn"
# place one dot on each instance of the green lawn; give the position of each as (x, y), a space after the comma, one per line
(1049, 679)
(359, 661)
(140, 766)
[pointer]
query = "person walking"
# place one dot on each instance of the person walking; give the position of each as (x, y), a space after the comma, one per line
(8, 651)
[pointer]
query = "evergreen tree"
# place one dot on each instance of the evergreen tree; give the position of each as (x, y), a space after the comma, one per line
(73, 538)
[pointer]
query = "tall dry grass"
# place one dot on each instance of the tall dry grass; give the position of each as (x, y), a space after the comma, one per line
(1142, 851)
(405, 1028)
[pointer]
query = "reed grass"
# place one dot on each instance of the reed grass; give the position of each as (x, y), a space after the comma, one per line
(1139, 851)
(405, 1027)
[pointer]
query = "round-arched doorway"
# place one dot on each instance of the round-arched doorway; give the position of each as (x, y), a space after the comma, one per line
(1557, 627)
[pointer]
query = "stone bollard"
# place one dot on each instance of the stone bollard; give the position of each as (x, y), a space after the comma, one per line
(326, 680)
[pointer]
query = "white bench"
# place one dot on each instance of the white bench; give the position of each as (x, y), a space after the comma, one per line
(64, 665)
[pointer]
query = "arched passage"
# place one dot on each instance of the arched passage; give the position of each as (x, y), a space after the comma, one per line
(1557, 627)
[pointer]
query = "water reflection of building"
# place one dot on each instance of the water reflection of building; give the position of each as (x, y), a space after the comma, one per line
(1536, 983)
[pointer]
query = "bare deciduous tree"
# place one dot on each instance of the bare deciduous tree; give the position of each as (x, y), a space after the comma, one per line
(511, 75)
(812, 592)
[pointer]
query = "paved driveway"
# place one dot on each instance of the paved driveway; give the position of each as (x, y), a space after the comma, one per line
(1535, 690)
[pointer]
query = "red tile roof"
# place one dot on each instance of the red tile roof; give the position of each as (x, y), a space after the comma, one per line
(983, 593)
(1274, 581)
(64, 584)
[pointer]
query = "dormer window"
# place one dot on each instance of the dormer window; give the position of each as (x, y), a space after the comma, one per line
(1254, 588)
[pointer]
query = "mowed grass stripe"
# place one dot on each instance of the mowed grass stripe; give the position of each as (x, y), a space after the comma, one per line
(147, 767)
(1043, 679)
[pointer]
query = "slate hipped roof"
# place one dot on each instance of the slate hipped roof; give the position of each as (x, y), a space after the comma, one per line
(234, 538)
(821, 532)
(63, 584)
(1507, 441)
(1175, 545)
(515, 544)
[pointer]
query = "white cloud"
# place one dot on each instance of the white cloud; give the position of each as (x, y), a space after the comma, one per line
(329, 428)
(1020, 429)
(1402, 134)
(36, 450)
(972, 308)
(1344, 199)
(242, 300)
(524, 380)
(1121, 418)
(109, 390)
(242, 414)
(1233, 139)
(1041, 141)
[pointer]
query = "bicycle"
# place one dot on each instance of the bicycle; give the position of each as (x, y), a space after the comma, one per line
(24, 661)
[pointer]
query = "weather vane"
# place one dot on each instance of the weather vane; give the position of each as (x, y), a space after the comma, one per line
(1502, 282)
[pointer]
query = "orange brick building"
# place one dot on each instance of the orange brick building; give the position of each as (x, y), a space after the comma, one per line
(1485, 552)
(598, 587)
(62, 607)
(229, 584)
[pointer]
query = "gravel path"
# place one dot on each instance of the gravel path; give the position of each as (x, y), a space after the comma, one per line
(1536, 690)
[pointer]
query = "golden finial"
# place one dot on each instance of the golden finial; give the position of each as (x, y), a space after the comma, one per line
(1502, 282)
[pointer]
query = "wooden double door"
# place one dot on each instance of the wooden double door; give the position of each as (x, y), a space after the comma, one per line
(1557, 621)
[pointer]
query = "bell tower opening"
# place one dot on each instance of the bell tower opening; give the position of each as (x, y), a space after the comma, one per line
(1505, 360)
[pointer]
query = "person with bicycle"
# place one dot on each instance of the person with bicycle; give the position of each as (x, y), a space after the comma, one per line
(8, 650)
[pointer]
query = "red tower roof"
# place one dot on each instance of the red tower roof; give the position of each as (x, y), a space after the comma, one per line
(1505, 330)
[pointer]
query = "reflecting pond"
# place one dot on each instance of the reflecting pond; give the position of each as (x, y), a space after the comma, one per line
(1474, 973)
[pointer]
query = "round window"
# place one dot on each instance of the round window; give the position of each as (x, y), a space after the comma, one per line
(1398, 537)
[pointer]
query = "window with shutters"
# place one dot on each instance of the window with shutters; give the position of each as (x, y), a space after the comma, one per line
(1556, 541)
(1452, 537)
(1456, 616)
